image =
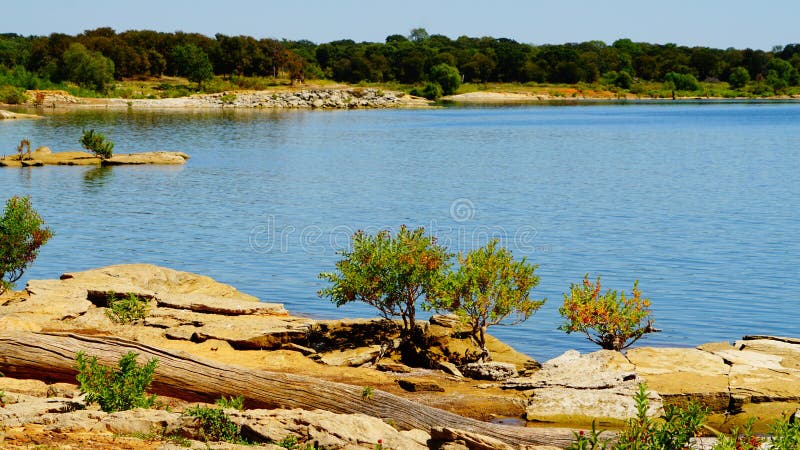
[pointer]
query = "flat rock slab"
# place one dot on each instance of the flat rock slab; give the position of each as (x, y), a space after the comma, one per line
(419, 386)
(146, 158)
(80, 158)
(684, 373)
(4, 114)
(219, 305)
(350, 357)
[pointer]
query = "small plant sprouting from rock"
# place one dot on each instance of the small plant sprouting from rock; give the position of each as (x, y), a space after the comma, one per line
(231, 402)
(292, 442)
(215, 425)
(116, 390)
(22, 233)
(366, 393)
(612, 321)
(23, 145)
(96, 143)
(127, 309)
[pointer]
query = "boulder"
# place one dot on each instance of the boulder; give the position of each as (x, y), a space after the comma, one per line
(391, 366)
(472, 441)
(493, 371)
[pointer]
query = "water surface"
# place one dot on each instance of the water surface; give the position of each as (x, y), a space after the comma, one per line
(699, 202)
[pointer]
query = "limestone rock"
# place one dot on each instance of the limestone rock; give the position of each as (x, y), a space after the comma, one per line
(147, 279)
(472, 441)
(35, 388)
(450, 368)
(419, 386)
(22, 412)
(493, 371)
(575, 388)
(146, 158)
(391, 366)
(326, 429)
(684, 374)
(218, 305)
(350, 357)
(139, 421)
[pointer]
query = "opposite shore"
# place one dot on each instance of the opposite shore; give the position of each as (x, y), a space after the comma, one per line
(342, 97)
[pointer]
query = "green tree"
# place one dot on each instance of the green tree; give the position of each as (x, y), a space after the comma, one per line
(739, 77)
(447, 77)
(488, 288)
(22, 233)
(116, 390)
(86, 68)
(193, 63)
(390, 272)
(681, 81)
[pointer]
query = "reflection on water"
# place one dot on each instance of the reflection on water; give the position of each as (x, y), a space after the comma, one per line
(700, 203)
(97, 177)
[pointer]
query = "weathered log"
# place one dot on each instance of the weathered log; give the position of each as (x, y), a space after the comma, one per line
(51, 357)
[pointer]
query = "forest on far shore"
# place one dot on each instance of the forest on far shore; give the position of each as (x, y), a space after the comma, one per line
(94, 59)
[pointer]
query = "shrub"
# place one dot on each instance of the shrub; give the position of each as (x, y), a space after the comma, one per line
(389, 272)
(611, 320)
(432, 91)
(738, 78)
(488, 287)
(785, 434)
(12, 95)
(126, 309)
(681, 81)
(116, 390)
(619, 79)
(87, 68)
(97, 144)
(745, 439)
(231, 402)
(215, 425)
(21, 235)
(447, 77)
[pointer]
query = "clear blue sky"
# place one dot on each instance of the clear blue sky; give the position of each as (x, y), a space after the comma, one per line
(713, 23)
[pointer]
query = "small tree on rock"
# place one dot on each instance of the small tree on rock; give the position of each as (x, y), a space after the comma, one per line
(611, 320)
(488, 288)
(21, 235)
(389, 272)
(96, 143)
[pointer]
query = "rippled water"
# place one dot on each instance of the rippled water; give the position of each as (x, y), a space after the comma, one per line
(699, 201)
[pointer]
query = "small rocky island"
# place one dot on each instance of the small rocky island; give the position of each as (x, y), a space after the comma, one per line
(43, 156)
(338, 383)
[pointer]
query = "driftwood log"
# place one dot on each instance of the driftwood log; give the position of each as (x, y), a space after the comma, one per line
(51, 357)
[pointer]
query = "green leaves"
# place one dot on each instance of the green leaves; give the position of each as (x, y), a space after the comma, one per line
(116, 390)
(489, 287)
(389, 272)
(96, 143)
(21, 235)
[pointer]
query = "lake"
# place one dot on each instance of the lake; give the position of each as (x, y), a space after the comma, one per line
(699, 201)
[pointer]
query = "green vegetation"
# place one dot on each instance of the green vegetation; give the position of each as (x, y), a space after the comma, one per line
(97, 144)
(488, 287)
(126, 309)
(390, 272)
(116, 390)
(612, 321)
(95, 59)
(231, 402)
(366, 393)
(193, 63)
(22, 233)
(293, 443)
(215, 425)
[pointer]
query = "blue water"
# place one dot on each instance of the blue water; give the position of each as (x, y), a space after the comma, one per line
(698, 201)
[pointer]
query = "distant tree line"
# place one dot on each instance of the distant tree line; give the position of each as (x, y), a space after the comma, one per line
(95, 57)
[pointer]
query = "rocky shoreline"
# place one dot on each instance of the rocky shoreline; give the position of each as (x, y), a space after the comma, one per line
(310, 98)
(196, 318)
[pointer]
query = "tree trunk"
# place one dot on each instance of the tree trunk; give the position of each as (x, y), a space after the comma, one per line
(51, 357)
